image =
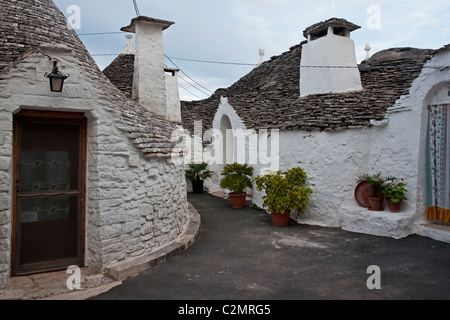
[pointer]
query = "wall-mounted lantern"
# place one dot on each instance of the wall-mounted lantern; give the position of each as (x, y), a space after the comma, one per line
(56, 79)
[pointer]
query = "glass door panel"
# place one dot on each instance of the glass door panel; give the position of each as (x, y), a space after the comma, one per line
(49, 194)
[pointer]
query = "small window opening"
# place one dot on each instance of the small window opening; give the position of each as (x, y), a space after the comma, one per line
(340, 31)
(170, 72)
(318, 35)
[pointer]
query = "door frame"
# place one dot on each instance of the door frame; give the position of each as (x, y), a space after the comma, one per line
(37, 115)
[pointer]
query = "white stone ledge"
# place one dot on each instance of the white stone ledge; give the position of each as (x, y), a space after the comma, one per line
(377, 223)
(133, 267)
(435, 231)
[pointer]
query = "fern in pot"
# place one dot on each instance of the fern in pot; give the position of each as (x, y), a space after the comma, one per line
(198, 173)
(237, 178)
(376, 186)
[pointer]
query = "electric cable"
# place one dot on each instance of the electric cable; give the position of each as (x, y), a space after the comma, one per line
(181, 78)
(372, 67)
(99, 33)
(187, 74)
(189, 91)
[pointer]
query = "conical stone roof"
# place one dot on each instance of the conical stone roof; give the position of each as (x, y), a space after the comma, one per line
(28, 24)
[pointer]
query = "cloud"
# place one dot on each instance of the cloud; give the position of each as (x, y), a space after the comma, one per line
(235, 30)
(421, 19)
(189, 98)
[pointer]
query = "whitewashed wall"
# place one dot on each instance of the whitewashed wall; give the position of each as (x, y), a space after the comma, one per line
(173, 98)
(333, 160)
(134, 205)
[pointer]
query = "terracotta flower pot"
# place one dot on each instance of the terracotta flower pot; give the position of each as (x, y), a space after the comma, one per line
(281, 219)
(393, 206)
(237, 200)
(376, 203)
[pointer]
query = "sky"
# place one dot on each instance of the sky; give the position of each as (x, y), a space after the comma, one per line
(235, 30)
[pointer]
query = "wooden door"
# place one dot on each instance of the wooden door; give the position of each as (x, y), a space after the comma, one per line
(49, 193)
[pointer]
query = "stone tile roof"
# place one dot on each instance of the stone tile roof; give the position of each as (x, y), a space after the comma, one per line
(120, 72)
(268, 97)
(333, 22)
(27, 24)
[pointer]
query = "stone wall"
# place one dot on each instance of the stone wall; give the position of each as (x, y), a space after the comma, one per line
(5, 191)
(135, 203)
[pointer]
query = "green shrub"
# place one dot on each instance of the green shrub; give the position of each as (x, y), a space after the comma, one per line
(285, 190)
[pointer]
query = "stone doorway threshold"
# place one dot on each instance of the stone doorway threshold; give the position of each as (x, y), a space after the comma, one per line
(436, 231)
(53, 286)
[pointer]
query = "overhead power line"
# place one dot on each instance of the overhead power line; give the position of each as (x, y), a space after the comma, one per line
(99, 33)
(216, 62)
(187, 75)
(187, 90)
(189, 83)
(205, 93)
(104, 54)
(372, 67)
(136, 7)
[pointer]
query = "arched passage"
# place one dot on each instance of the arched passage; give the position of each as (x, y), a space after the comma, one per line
(227, 143)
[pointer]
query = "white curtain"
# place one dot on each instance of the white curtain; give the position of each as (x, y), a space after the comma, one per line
(438, 158)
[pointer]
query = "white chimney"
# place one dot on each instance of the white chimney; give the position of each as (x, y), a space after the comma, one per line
(328, 63)
(172, 95)
(149, 83)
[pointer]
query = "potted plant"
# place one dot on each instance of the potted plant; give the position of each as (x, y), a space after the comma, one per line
(376, 186)
(395, 194)
(198, 173)
(284, 192)
(236, 178)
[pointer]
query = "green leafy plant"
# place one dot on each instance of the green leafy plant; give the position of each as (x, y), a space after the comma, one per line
(255, 207)
(375, 181)
(285, 190)
(396, 192)
(198, 172)
(237, 177)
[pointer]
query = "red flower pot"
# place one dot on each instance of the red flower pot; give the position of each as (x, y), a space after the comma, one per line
(237, 201)
(281, 219)
(394, 207)
(376, 203)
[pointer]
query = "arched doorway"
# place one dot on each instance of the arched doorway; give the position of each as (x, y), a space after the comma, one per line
(227, 141)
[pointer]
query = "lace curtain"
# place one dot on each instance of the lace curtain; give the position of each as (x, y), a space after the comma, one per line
(438, 158)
